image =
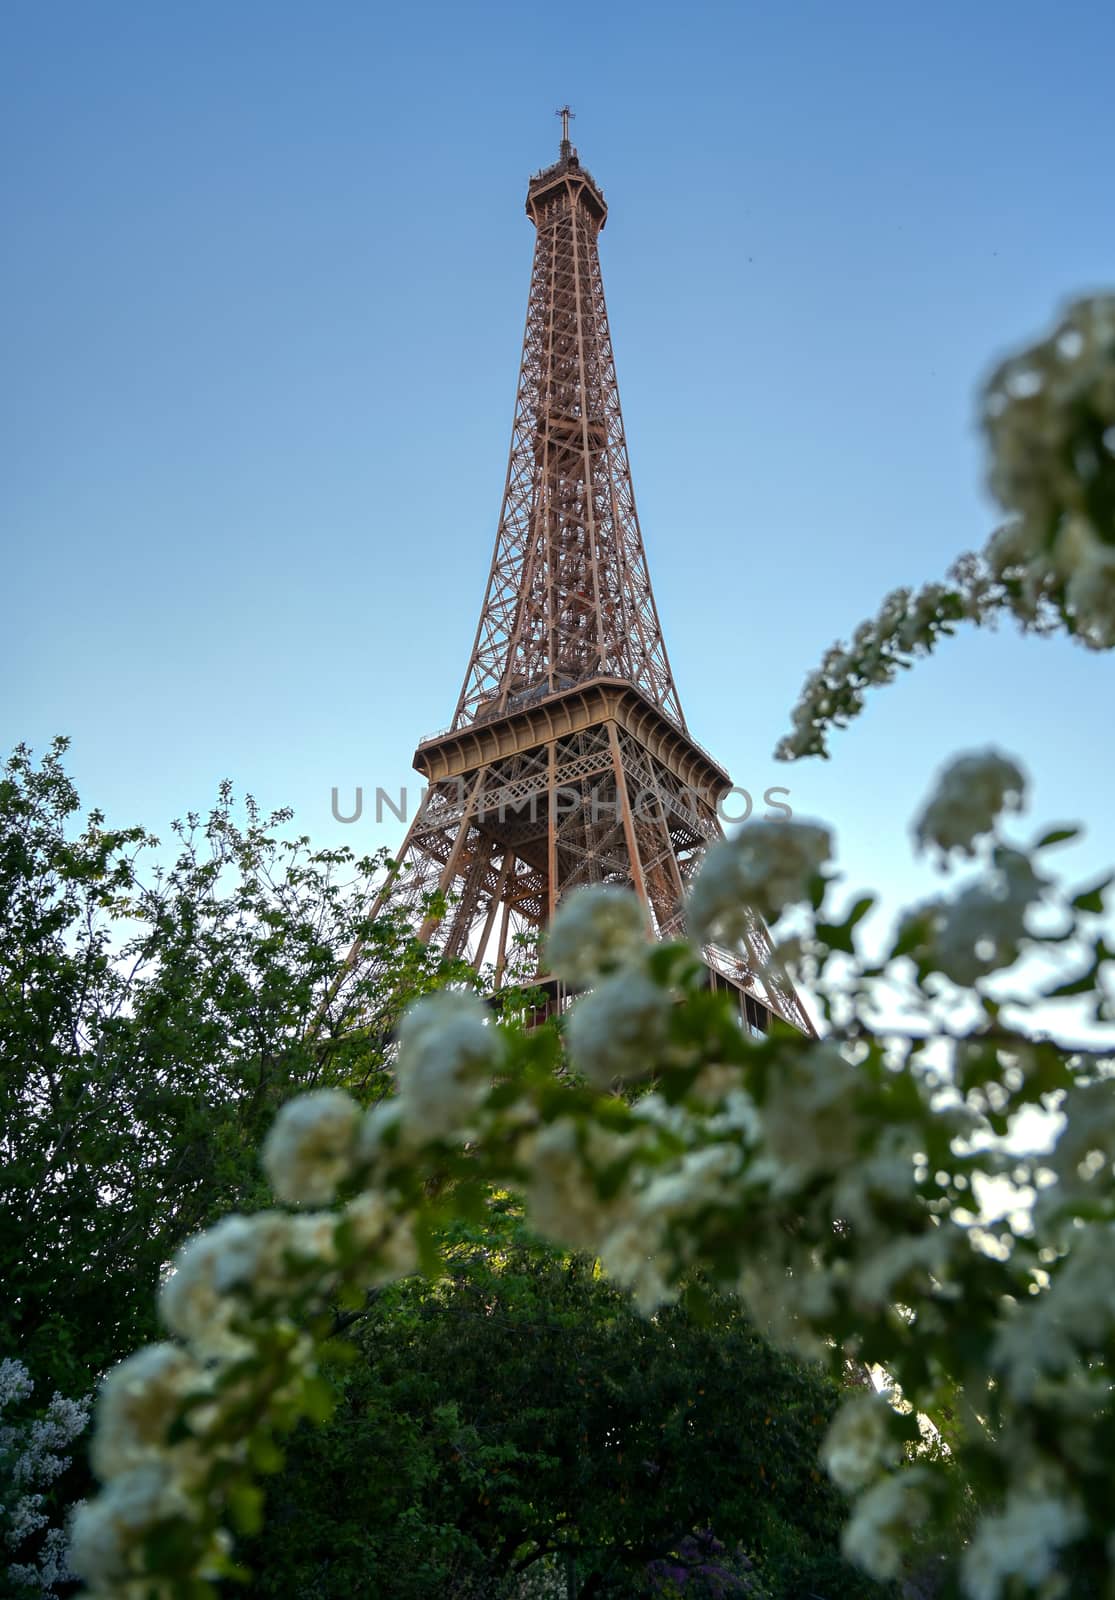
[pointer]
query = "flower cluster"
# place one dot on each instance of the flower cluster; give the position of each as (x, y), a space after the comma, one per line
(909, 624)
(32, 1457)
(1049, 421)
(767, 867)
(594, 933)
(309, 1151)
(242, 1302)
(618, 1029)
(1049, 416)
(449, 1050)
(972, 793)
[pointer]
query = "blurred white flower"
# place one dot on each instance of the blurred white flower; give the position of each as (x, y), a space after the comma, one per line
(377, 1226)
(809, 1119)
(1085, 1148)
(982, 929)
(867, 1190)
(881, 1272)
(378, 1122)
(1046, 411)
(971, 794)
(700, 1179)
(107, 1533)
(563, 1201)
(1021, 1542)
(594, 931)
(878, 1532)
(1090, 589)
(768, 866)
(139, 1400)
(449, 1049)
(859, 1444)
(628, 1255)
(618, 1029)
(311, 1147)
(217, 1274)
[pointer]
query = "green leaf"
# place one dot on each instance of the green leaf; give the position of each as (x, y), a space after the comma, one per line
(1056, 836)
(245, 1505)
(265, 1454)
(318, 1399)
(860, 910)
(1091, 899)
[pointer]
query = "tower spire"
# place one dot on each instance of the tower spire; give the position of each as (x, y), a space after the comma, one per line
(568, 761)
(565, 113)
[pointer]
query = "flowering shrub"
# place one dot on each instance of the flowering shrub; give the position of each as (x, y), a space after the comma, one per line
(702, 1569)
(835, 1185)
(1049, 420)
(31, 1459)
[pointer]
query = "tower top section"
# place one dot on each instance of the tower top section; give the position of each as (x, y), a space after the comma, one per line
(566, 182)
(569, 599)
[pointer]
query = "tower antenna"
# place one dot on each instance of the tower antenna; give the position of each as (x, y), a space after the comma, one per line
(565, 112)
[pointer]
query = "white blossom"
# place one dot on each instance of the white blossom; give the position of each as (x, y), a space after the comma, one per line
(1076, 1313)
(629, 1255)
(877, 1533)
(108, 1532)
(594, 931)
(40, 1442)
(784, 1303)
(981, 930)
(1044, 410)
(449, 1049)
(1011, 546)
(563, 1201)
(138, 1401)
(971, 794)
(702, 1178)
(879, 1273)
(1021, 1542)
(25, 1516)
(768, 866)
(1088, 1133)
(50, 1568)
(311, 1147)
(1090, 589)
(378, 1126)
(867, 1190)
(859, 1444)
(16, 1383)
(32, 1457)
(737, 1113)
(377, 1225)
(809, 1116)
(618, 1028)
(218, 1274)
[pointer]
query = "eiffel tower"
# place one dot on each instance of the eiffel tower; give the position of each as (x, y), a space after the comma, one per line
(568, 760)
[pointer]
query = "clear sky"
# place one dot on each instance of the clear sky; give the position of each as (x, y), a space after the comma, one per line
(261, 295)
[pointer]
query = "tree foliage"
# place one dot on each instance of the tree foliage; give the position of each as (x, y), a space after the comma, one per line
(519, 1408)
(153, 1016)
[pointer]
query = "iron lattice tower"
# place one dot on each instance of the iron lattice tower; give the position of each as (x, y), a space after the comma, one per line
(568, 760)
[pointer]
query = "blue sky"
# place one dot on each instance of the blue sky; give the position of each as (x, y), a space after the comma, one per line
(262, 296)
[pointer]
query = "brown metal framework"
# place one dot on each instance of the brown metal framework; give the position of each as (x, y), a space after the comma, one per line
(568, 761)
